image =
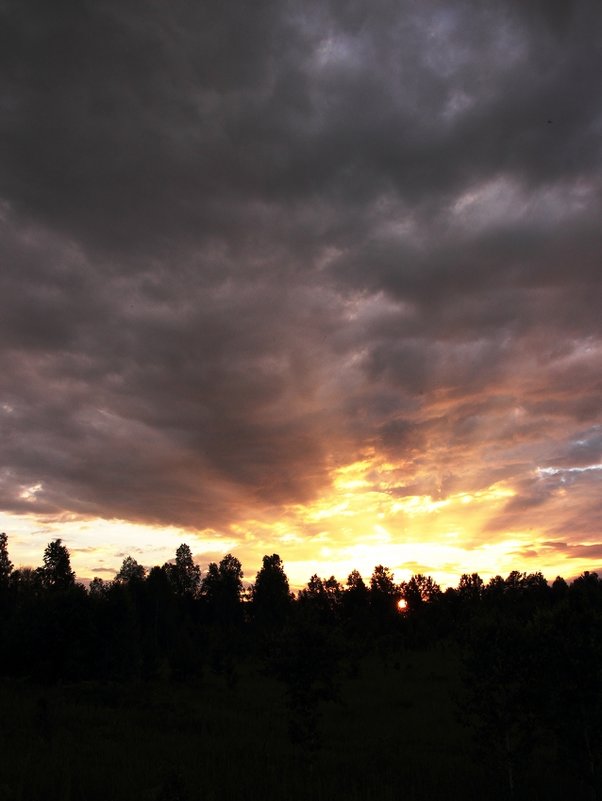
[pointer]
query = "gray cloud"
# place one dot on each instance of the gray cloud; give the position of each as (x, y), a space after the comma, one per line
(241, 244)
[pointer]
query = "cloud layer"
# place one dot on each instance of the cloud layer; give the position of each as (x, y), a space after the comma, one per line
(244, 245)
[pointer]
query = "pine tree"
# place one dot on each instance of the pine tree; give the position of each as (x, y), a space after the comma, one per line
(6, 566)
(184, 575)
(271, 593)
(56, 573)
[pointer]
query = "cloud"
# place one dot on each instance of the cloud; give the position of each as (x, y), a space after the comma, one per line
(577, 551)
(242, 247)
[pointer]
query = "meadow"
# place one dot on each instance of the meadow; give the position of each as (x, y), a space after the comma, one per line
(396, 731)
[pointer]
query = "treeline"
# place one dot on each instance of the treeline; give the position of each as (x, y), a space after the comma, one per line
(530, 652)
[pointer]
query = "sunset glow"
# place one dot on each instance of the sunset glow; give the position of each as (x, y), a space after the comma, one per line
(363, 519)
(328, 289)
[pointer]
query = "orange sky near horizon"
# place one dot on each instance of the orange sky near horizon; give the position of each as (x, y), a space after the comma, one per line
(361, 520)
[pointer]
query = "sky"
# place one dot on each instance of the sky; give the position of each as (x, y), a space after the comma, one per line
(320, 279)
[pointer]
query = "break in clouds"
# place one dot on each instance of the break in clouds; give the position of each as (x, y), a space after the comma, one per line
(243, 244)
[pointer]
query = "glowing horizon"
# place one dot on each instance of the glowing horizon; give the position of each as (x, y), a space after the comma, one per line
(361, 521)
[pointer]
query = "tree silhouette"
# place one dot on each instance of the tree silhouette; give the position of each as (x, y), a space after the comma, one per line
(559, 589)
(26, 581)
(98, 587)
(470, 588)
(384, 593)
(184, 575)
(334, 594)
(6, 566)
(493, 592)
(420, 590)
(56, 574)
(221, 594)
(130, 571)
(162, 627)
(222, 590)
(355, 607)
(381, 582)
(271, 593)
(356, 585)
(356, 596)
(586, 589)
(322, 598)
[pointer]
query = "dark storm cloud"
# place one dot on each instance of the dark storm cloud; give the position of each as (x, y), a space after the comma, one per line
(243, 243)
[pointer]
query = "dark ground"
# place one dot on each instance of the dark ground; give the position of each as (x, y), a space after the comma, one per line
(396, 732)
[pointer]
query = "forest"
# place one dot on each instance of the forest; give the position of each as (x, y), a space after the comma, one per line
(171, 685)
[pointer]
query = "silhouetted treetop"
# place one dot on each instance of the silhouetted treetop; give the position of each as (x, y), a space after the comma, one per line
(6, 566)
(184, 575)
(355, 583)
(470, 587)
(98, 587)
(222, 589)
(334, 591)
(271, 593)
(130, 571)
(419, 590)
(56, 574)
(382, 582)
(322, 597)
(356, 596)
(384, 593)
(26, 580)
(559, 588)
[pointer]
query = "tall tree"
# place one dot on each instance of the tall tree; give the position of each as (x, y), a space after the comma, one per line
(184, 575)
(419, 590)
(381, 581)
(321, 598)
(271, 593)
(6, 566)
(130, 570)
(384, 593)
(356, 596)
(470, 588)
(222, 590)
(56, 574)
(559, 589)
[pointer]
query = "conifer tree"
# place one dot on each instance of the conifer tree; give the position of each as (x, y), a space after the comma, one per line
(6, 566)
(184, 575)
(56, 574)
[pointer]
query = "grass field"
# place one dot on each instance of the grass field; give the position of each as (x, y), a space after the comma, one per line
(394, 733)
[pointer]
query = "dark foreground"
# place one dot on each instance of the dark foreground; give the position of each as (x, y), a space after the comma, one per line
(169, 686)
(397, 731)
